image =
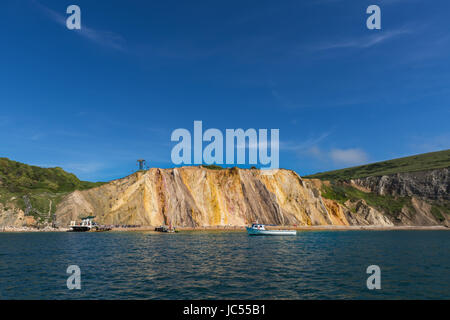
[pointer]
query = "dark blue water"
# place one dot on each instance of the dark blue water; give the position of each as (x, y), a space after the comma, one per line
(231, 265)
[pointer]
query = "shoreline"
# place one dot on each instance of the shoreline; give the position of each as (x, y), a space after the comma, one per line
(298, 228)
(242, 228)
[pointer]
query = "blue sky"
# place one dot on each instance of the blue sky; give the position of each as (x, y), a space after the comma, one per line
(93, 101)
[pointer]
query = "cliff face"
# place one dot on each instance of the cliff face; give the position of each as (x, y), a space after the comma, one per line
(428, 193)
(430, 185)
(387, 193)
(196, 196)
(12, 216)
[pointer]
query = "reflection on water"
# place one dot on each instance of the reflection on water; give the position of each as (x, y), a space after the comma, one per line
(225, 265)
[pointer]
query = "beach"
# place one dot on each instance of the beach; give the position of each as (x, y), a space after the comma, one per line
(239, 228)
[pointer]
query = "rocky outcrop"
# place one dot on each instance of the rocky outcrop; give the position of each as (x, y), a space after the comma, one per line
(429, 192)
(359, 213)
(432, 184)
(10, 215)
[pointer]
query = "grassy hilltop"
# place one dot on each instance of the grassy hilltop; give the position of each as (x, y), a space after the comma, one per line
(421, 162)
(36, 190)
(342, 191)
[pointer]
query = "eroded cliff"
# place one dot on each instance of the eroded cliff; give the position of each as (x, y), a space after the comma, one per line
(429, 184)
(197, 196)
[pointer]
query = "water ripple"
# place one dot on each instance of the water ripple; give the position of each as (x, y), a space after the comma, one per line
(218, 265)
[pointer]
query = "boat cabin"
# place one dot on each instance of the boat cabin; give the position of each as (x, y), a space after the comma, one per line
(88, 221)
(258, 226)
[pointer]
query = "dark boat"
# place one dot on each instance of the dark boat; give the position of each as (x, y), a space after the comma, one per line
(79, 229)
(165, 229)
(101, 229)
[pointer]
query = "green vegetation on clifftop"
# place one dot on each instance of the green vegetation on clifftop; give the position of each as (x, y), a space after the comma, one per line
(19, 177)
(36, 190)
(421, 162)
(342, 192)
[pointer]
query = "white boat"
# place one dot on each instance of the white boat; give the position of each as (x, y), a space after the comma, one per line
(260, 230)
(87, 224)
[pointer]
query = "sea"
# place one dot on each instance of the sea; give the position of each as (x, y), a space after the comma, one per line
(225, 265)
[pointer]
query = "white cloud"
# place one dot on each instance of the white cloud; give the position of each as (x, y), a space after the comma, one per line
(305, 145)
(365, 42)
(348, 156)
